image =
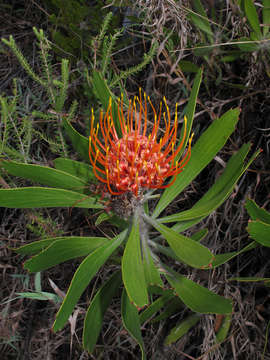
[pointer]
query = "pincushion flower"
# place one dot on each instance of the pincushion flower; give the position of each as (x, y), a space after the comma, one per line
(134, 161)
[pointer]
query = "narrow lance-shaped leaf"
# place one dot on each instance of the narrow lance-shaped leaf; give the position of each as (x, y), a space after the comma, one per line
(209, 143)
(36, 246)
(266, 16)
(104, 95)
(43, 175)
(198, 298)
(249, 279)
(181, 329)
(260, 232)
(63, 250)
(190, 108)
(221, 259)
(222, 333)
(40, 197)
(84, 274)
(257, 213)
(131, 321)
(151, 272)
(200, 19)
(76, 168)
(252, 17)
(132, 268)
(220, 191)
(184, 225)
(187, 250)
(97, 308)
(79, 142)
(156, 305)
(174, 306)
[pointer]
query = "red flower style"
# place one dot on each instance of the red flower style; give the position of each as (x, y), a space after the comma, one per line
(134, 161)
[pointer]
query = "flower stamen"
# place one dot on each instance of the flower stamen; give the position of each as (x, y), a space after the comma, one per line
(131, 161)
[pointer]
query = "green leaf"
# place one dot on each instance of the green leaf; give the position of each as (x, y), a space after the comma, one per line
(38, 282)
(181, 329)
(201, 50)
(131, 321)
(220, 191)
(247, 44)
(188, 66)
(197, 297)
(37, 246)
(252, 17)
(221, 259)
(151, 272)
(75, 168)
(205, 149)
(257, 213)
(174, 306)
(63, 250)
(190, 108)
(43, 175)
(189, 111)
(95, 313)
(102, 217)
(104, 94)
(187, 250)
(224, 329)
(43, 296)
(132, 268)
(40, 197)
(260, 232)
(82, 277)
(80, 143)
(184, 225)
(249, 279)
(266, 16)
(199, 235)
(159, 303)
(200, 19)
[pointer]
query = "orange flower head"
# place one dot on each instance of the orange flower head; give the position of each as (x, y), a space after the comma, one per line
(136, 161)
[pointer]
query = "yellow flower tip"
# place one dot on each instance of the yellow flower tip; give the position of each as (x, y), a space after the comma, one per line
(135, 160)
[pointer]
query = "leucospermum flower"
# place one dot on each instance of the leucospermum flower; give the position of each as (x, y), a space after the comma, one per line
(134, 161)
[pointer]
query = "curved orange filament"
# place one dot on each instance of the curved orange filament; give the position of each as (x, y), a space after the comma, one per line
(132, 161)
